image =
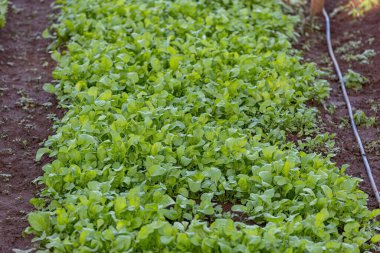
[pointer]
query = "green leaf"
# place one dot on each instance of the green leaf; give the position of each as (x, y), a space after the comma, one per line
(48, 87)
(40, 221)
(106, 63)
(194, 186)
(120, 204)
(122, 243)
(375, 238)
(213, 173)
(322, 216)
(183, 241)
(84, 235)
(86, 140)
(328, 192)
(46, 34)
(144, 232)
(266, 176)
(62, 217)
(156, 170)
(239, 208)
(133, 77)
(375, 213)
(280, 180)
(156, 147)
(156, 64)
(268, 152)
(165, 201)
(38, 203)
(174, 62)
(41, 152)
(185, 161)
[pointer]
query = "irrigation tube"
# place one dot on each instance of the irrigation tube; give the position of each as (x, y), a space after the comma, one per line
(349, 107)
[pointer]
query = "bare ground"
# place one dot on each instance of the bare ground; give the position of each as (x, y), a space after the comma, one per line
(24, 107)
(365, 33)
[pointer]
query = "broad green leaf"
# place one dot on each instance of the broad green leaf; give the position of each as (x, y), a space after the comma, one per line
(165, 201)
(120, 204)
(194, 186)
(62, 217)
(375, 238)
(133, 77)
(156, 64)
(174, 62)
(144, 232)
(48, 87)
(328, 192)
(106, 63)
(41, 152)
(322, 216)
(185, 161)
(40, 221)
(122, 243)
(156, 170)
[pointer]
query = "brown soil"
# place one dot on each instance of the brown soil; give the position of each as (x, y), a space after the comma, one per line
(344, 29)
(24, 106)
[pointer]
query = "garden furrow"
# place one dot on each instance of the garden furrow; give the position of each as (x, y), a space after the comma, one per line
(24, 110)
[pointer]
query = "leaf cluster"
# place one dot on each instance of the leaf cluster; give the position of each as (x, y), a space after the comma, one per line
(354, 80)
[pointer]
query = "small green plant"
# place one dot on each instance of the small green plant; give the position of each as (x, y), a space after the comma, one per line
(373, 146)
(3, 12)
(354, 80)
(343, 123)
(331, 108)
(375, 105)
(363, 58)
(26, 103)
(349, 46)
(321, 143)
(361, 119)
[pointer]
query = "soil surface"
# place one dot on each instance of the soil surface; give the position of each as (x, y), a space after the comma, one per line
(350, 36)
(24, 107)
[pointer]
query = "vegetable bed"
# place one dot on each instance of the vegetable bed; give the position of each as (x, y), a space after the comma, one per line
(175, 136)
